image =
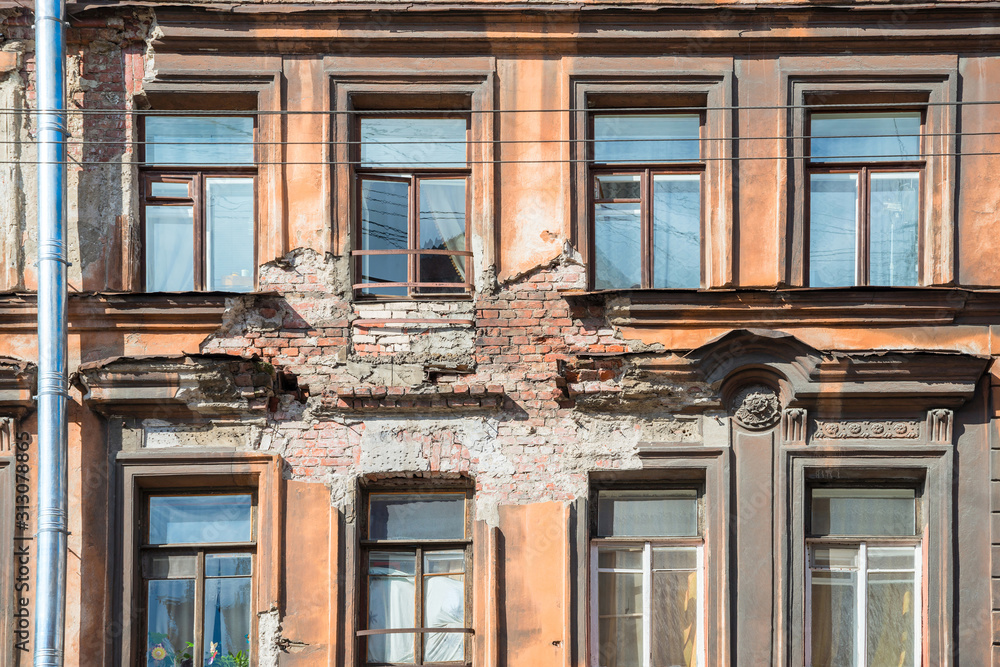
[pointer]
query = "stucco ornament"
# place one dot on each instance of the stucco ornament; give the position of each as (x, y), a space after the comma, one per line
(756, 407)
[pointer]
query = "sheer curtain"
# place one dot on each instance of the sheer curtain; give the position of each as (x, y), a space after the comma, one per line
(390, 605)
(444, 606)
(442, 201)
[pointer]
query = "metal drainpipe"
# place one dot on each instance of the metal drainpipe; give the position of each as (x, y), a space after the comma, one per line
(50, 581)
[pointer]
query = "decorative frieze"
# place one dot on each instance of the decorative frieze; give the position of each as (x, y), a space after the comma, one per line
(866, 429)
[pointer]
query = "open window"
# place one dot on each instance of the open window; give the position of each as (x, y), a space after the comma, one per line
(647, 578)
(416, 560)
(864, 576)
(199, 203)
(411, 180)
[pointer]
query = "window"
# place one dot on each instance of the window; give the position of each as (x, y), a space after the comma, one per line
(411, 181)
(863, 577)
(198, 193)
(865, 173)
(197, 565)
(417, 556)
(647, 579)
(646, 183)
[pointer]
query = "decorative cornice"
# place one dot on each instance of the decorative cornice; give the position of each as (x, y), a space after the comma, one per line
(17, 387)
(186, 312)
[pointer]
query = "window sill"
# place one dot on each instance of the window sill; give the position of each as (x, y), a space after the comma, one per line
(808, 306)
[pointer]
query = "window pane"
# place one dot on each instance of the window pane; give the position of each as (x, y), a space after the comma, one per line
(617, 246)
(618, 186)
(833, 615)
(416, 516)
(384, 226)
(646, 138)
(216, 140)
(444, 605)
(835, 557)
(169, 248)
(416, 142)
(675, 558)
(170, 614)
(677, 231)
(833, 215)
(227, 621)
(667, 513)
(229, 234)
(228, 565)
(895, 210)
(199, 519)
(863, 512)
(855, 136)
(442, 227)
(891, 610)
(675, 617)
(173, 566)
(620, 559)
(619, 610)
(176, 190)
(891, 558)
(391, 601)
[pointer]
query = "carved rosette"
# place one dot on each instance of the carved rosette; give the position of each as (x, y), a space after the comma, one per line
(867, 429)
(755, 407)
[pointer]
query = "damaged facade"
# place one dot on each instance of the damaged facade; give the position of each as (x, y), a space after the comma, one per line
(550, 334)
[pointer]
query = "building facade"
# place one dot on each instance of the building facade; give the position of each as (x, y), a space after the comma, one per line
(603, 334)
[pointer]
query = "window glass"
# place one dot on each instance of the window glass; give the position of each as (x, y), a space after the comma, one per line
(442, 227)
(646, 138)
(416, 516)
(675, 606)
(863, 511)
(444, 605)
(199, 519)
(867, 136)
(396, 143)
(208, 140)
(229, 217)
(384, 226)
(170, 619)
(169, 248)
(834, 621)
(677, 230)
(895, 210)
(172, 190)
(617, 246)
(833, 222)
(667, 513)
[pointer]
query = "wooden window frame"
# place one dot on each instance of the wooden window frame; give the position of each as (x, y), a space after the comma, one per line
(647, 544)
(143, 473)
(413, 176)
(417, 547)
(196, 176)
(926, 467)
(647, 172)
(915, 541)
(864, 169)
(929, 83)
(199, 550)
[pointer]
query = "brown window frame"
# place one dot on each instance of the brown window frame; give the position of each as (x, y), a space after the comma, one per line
(412, 176)
(199, 550)
(195, 176)
(864, 169)
(646, 171)
(417, 547)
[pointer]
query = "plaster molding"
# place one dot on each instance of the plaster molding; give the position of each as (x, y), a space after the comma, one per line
(756, 407)
(863, 429)
(17, 387)
(794, 426)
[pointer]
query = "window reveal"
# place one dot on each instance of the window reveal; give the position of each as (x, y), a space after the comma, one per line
(865, 172)
(647, 175)
(863, 578)
(647, 579)
(411, 181)
(197, 561)
(199, 203)
(416, 556)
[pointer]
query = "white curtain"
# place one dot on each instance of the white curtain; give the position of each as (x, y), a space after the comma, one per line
(390, 605)
(444, 605)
